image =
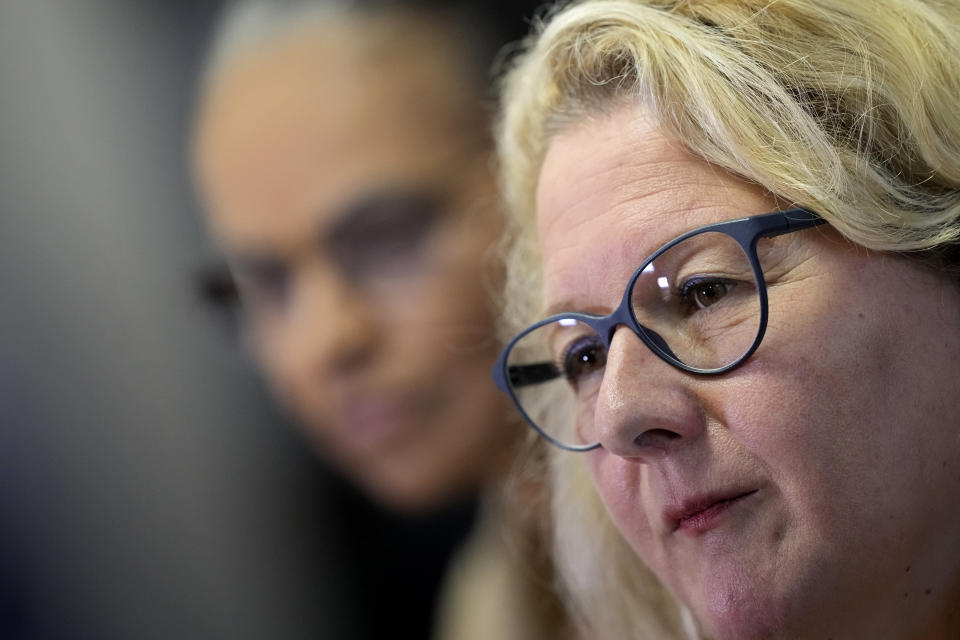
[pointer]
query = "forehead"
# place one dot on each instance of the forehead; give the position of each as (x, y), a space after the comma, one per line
(299, 128)
(612, 189)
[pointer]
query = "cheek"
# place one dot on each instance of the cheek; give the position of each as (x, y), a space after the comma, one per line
(275, 355)
(285, 369)
(831, 404)
(620, 485)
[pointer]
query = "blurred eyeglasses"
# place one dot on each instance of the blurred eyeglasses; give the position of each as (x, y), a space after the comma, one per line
(699, 303)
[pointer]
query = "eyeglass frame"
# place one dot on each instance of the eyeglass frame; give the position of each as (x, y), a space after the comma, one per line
(745, 231)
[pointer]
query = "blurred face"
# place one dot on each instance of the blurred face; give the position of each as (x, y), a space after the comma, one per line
(809, 492)
(348, 181)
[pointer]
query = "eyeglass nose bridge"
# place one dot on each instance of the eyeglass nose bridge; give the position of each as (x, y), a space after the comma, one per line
(606, 326)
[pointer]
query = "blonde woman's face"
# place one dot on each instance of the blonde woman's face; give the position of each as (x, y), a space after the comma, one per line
(348, 183)
(810, 492)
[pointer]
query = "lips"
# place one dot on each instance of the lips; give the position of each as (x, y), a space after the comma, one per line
(699, 514)
(372, 421)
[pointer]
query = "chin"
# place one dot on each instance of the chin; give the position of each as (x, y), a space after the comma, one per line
(741, 608)
(744, 624)
(404, 502)
(407, 492)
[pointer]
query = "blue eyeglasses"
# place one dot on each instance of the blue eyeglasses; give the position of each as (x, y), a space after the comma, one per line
(699, 303)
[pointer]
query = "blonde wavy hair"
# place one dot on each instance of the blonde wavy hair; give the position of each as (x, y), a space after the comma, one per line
(850, 108)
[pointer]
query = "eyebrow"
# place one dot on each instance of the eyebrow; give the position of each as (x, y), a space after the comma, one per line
(558, 307)
(354, 222)
(568, 306)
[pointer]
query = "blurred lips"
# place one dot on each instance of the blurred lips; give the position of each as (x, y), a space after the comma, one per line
(700, 513)
(368, 422)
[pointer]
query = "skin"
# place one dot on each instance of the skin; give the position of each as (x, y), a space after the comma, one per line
(845, 423)
(389, 372)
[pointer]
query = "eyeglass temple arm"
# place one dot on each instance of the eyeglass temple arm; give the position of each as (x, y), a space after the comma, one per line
(795, 220)
(530, 374)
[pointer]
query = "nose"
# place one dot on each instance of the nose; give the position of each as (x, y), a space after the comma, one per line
(332, 325)
(645, 408)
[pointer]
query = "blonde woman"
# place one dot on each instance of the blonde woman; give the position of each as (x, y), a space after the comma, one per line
(735, 229)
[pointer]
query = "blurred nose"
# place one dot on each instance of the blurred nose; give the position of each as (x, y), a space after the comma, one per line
(331, 329)
(645, 407)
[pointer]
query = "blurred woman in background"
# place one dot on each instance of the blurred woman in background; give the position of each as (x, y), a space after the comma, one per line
(344, 156)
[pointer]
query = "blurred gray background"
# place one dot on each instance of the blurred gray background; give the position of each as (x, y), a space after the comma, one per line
(146, 488)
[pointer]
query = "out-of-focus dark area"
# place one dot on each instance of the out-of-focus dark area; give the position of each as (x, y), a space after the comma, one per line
(147, 487)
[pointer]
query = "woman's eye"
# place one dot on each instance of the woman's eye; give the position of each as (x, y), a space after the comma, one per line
(701, 293)
(582, 358)
(264, 287)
